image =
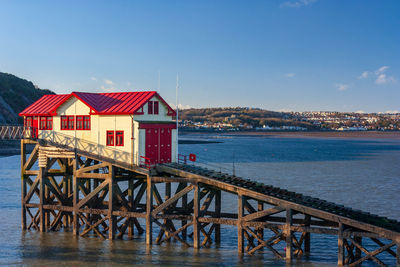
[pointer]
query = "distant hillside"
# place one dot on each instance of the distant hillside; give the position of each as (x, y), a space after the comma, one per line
(15, 95)
(243, 116)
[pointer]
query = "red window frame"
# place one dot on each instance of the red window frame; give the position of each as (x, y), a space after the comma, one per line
(28, 121)
(46, 123)
(150, 107)
(155, 107)
(79, 122)
(83, 122)
(86, 122)
(119, 138)
(110, 138)
(67, 122)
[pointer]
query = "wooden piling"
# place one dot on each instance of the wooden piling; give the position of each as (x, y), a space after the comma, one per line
(217, 230)
(131, 199)
(288, 235)
(111, 192)
(196, 210)
(340, 245)
(23, 185)
(149, 207)
(260, 230)
(42, 174)
(184, 207)
(241, 203)
(307, 237)
(75, 197)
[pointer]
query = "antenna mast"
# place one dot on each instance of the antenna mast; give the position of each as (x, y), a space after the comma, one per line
(159, 81)
(177, 118)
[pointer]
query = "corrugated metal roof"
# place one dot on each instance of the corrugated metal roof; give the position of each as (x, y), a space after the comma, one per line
(46, 105)
(99, 103)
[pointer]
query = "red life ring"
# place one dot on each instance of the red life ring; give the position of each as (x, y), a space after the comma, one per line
(192, 157)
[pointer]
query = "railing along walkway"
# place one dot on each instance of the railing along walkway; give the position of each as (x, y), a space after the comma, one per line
(93, 150)
(13, 132)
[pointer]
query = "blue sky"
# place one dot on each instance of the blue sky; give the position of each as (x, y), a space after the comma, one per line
(279, 55)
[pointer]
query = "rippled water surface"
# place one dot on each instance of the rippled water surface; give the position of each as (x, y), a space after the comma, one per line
(364, 174)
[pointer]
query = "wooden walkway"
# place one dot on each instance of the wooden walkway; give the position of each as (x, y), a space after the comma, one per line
(93, 196)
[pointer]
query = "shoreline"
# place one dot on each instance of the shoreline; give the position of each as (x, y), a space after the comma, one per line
(311, 134)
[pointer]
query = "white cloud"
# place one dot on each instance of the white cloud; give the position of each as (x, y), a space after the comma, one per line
(342, 87)
(381, 70)
(392, 111)
(109, 82)
(384, 79)
(129, 83)
(380, 76)
(290, 75)
(297, 3)
(93, 78)
(285, 110)
(173, 106)
(360, 111)
(364, 75)
(107, 89)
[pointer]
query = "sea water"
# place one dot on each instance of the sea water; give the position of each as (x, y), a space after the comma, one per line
(362, 174)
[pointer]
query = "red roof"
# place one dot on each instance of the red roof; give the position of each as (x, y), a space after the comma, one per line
(99, 103)
(46, 105)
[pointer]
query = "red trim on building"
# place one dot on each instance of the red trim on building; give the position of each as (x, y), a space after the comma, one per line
(110, 138)
(157, 125)
(46, 123)
(46, 105)
(82, 122)
(67, 123)
(150, 107)
(119, 138)
(102, 104)
(155, 107)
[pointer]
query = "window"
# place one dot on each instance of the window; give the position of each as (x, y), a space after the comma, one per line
(119, 138)
(28, 122)
(155, 107)
(110, 138)
(46, 123)
(140, 111)
(86, 122)
(67, 122)
(83, 122)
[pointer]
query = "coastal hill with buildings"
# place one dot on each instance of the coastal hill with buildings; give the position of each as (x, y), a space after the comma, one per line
(237, 119)
(17, 93)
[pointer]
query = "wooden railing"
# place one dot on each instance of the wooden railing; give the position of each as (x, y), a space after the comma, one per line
(87, 148)
(15, 132)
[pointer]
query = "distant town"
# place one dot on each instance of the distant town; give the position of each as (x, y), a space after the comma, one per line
(250, 119)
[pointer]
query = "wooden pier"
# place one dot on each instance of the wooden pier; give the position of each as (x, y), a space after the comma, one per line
(98, 196)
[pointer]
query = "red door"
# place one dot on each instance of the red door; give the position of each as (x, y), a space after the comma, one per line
(152, 147)
(158, 144)
(165, 145)
(35, 126)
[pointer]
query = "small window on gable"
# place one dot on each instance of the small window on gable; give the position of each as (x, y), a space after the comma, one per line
(140, 111)
(150, 107)
(155, 107)
(110, 138)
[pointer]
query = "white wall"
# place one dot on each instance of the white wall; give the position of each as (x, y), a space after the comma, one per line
(94, 140)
